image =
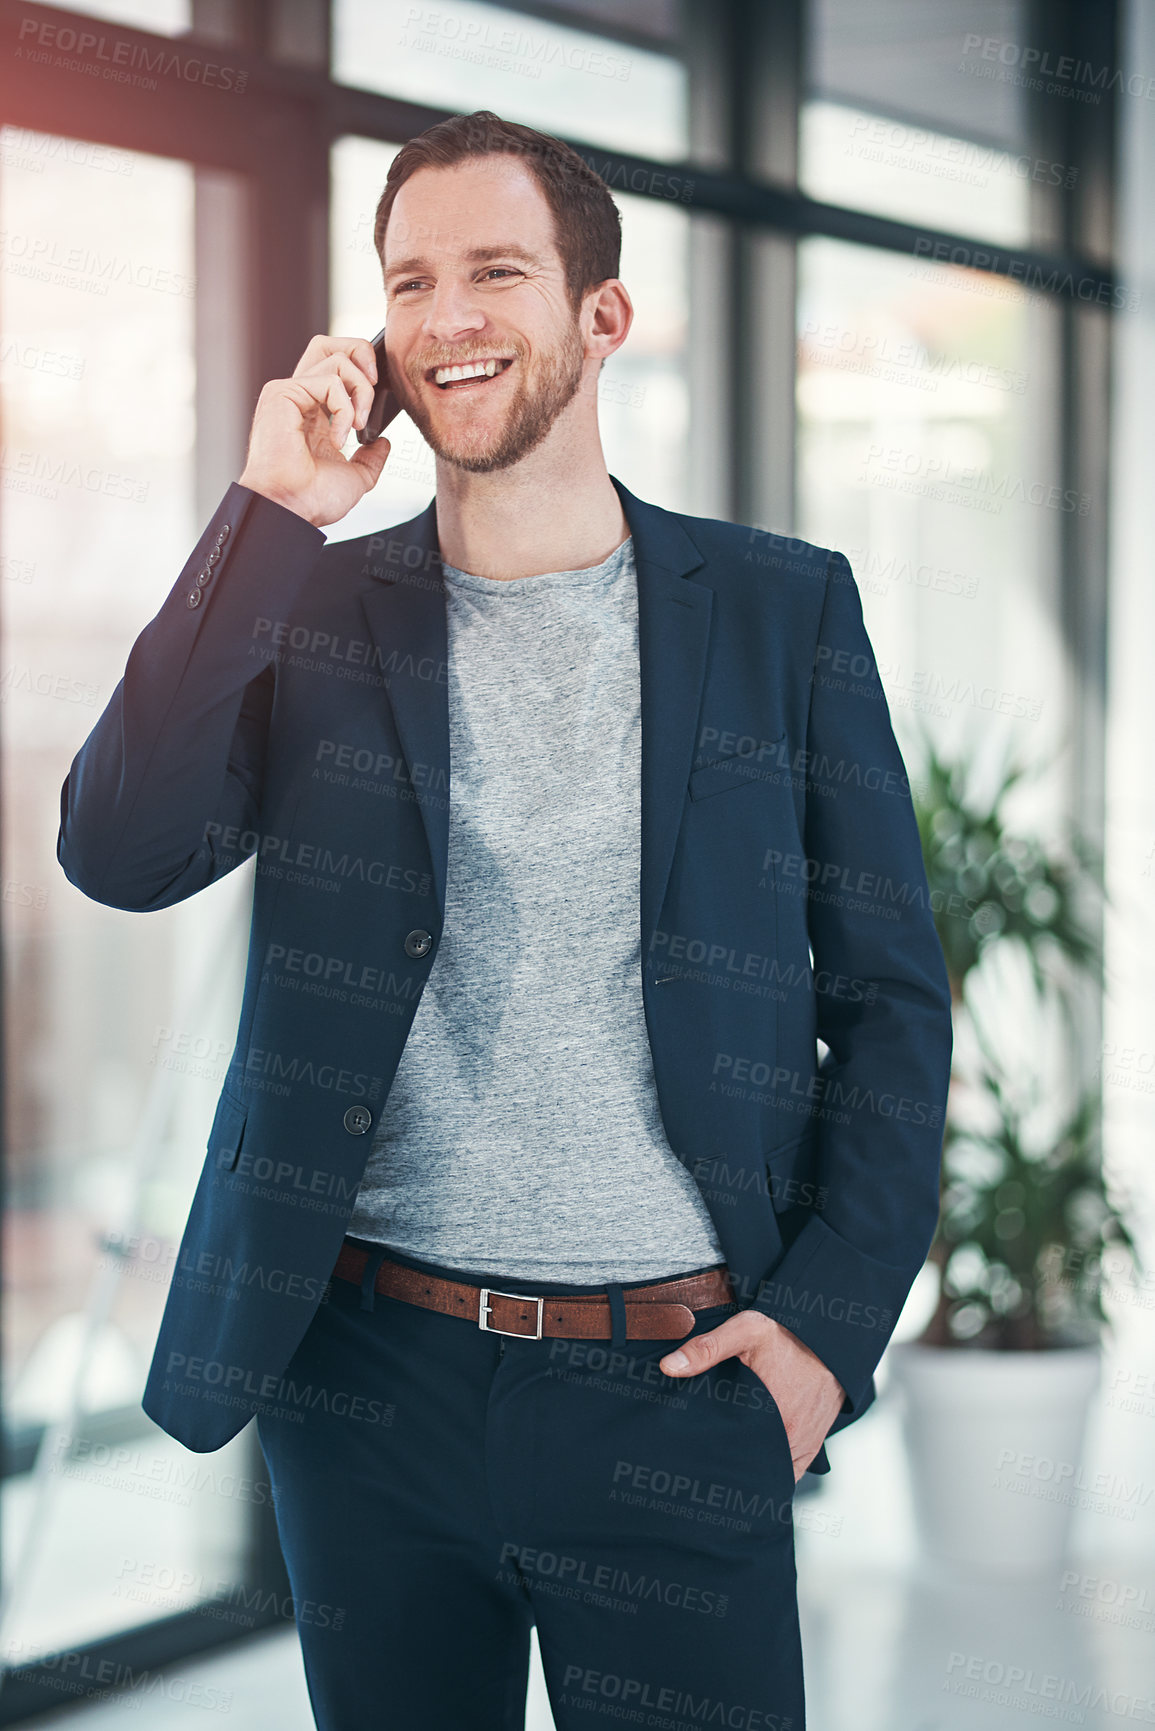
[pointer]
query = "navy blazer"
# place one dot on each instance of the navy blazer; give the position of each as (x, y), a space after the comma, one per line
(289, 701)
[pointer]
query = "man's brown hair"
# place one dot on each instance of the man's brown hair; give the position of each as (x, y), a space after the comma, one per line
(587, 223)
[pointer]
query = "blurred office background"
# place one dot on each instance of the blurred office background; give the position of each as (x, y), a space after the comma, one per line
(894, 279)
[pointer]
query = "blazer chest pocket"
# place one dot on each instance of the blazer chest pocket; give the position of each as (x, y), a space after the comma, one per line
(740, 769)
(227, 1133)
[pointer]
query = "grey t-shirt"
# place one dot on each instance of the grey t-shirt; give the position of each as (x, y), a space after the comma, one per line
(522, 1136)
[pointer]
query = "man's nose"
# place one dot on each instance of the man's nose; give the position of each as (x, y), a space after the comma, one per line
(454, 309)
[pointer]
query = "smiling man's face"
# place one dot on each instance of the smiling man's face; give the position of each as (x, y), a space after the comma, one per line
(473, 279)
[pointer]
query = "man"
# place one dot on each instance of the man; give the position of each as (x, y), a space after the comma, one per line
(551, 1251)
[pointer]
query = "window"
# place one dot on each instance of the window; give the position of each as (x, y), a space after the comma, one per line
(906, 170)
(119, 1025)
(917, 112)
(163, 17)
(542, 74)
(924, 456)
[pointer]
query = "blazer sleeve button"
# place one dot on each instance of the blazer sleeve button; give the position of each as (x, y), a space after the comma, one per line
(418, 943)
(358, 1120)
(193, 598)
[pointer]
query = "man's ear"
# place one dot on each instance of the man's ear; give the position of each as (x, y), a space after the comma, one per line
(613, 314)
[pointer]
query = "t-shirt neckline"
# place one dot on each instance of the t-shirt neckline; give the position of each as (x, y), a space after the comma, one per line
(589, 574)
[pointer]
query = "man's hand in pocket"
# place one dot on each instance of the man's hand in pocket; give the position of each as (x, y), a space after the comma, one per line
(808, 1396)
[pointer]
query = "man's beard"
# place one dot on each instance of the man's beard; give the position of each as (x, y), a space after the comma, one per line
(528, 418)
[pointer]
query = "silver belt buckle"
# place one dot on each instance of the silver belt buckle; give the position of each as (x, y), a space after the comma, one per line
(488, 1292)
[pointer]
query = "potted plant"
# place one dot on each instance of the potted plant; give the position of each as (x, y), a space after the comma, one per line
(997, 1389)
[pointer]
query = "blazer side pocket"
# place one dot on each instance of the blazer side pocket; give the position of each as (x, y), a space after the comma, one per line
(227, 1133)
(789, 1173)
(740, 769)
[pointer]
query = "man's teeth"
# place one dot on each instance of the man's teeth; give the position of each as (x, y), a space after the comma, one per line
(474, 370)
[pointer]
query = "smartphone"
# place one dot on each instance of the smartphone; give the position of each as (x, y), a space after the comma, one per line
(385, 405)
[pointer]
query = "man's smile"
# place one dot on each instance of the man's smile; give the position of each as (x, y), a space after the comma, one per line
(466, 373)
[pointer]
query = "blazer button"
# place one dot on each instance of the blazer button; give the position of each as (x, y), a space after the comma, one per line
(193, 598)
(358, 1120)
(204, 575)
(418, 944)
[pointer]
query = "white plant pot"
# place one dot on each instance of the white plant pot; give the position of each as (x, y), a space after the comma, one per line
(995, 1444)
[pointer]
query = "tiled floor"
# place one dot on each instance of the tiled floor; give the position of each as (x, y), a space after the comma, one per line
(881, 1655)
(264, 1685)
(889, 1644)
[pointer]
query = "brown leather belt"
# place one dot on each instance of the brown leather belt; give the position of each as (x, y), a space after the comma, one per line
(663, 1311)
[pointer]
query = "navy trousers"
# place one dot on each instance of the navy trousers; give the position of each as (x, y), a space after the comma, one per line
(439, 1490)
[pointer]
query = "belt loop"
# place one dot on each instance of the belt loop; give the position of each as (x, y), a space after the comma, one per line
(617, 1315)
(369, 1278)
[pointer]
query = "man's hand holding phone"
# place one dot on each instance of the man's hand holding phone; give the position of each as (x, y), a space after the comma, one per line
(301, 423)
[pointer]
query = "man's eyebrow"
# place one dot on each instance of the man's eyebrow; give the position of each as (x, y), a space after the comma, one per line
(475, 255)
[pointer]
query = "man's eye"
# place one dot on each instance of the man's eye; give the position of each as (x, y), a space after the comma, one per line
(501, 270)
(405, 285)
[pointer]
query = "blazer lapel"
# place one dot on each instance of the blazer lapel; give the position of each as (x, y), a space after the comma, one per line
(405, 611)
(673, 635)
